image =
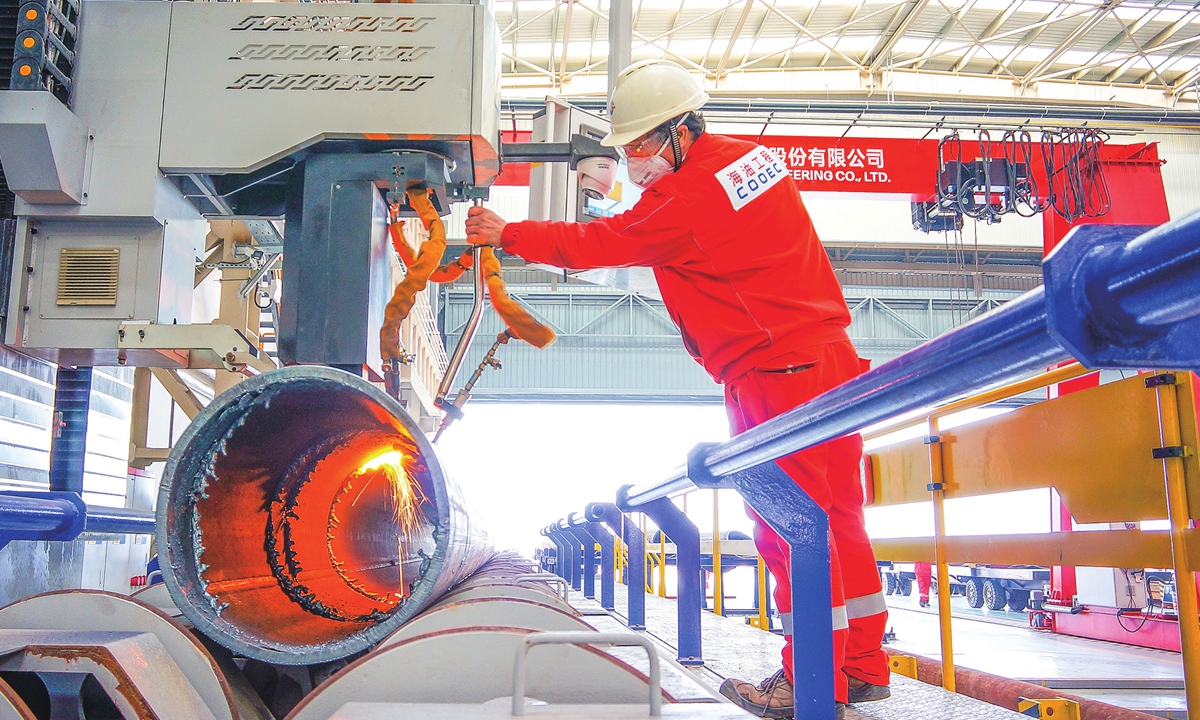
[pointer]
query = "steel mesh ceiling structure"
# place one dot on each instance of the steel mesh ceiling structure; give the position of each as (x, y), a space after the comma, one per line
(1119, 52)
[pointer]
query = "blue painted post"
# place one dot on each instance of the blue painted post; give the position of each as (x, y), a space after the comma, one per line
(805, 526)
(576, 555)
(607, 571)
(557, 553)
(635, 575)
(686, 537)
(587, 545)
(68, 446)
(566, 554)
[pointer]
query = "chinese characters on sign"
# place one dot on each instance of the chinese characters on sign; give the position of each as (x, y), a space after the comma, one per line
(821, 163)
(889, 166)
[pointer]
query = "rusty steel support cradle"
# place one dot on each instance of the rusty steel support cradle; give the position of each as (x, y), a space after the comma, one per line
(303, 517)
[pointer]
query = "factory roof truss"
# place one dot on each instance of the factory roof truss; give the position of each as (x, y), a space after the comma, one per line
(1121, 52)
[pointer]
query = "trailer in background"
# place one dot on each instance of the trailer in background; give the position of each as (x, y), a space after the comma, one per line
(995, 587)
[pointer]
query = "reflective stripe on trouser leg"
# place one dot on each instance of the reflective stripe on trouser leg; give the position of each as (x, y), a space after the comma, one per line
(841, 619)
(865, 606)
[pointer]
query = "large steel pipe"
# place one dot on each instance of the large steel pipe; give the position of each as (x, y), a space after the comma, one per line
(303, 517)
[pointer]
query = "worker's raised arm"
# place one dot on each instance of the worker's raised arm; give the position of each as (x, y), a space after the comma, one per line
(656, 231)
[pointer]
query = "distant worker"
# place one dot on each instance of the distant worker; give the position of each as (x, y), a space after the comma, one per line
(924, 573)
(744, 276)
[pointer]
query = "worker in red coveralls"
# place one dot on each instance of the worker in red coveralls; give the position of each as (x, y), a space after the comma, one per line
(924, 573)
(747, 281)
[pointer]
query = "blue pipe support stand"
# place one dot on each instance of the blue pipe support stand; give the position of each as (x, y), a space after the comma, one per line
(686, 537)
(564, 553)
(587, 548)
(558, 552)
(789, 511)
(607, 569)
(575, 552)
(635, 574)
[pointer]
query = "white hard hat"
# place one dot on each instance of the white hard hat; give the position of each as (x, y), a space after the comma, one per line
(649, 93)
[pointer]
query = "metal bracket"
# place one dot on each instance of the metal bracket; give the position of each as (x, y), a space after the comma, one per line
(1154, 381)
(931, 439)
(209, 346)
(579, 148)
(1172, 451)
(1056, 708)
(934, 487)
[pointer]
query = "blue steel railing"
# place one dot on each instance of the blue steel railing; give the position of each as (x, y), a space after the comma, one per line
(62, 516)
(1114, 297)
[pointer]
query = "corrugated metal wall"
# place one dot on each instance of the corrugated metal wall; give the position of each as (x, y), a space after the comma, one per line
(616, 345)
(611, 345)
(26, 419)
(1181, 173)
(26, 422)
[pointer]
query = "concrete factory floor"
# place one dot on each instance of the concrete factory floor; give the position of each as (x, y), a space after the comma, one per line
(1001, 643)
(734, 649)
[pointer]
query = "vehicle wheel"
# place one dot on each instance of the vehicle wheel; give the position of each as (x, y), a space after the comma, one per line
(994, 596)
(905, 586)
(975, 593)
(1018, 600)
(890, 578)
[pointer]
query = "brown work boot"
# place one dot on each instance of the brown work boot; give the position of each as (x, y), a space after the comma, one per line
(862, 691)
(771, 698)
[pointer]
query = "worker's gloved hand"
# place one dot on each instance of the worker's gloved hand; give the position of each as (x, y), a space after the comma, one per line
(484, 227)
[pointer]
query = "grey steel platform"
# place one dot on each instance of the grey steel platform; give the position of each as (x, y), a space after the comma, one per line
(734, 649)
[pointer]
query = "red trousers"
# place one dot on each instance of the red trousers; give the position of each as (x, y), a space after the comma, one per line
(924, 573)
(830, 474)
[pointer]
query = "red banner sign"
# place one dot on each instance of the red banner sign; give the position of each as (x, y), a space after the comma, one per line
(901, 167)
(890, 166)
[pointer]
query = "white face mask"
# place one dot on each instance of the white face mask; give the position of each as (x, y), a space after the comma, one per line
(645, 171)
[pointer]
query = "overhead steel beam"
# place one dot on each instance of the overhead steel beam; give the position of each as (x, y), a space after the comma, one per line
(1116, 40)
(747, 6)
(853, 14)
(1058, 14)
(1152, 44)
(970, 33)
(1068, 43)
(942, 33)
(819, 39)
(877, 55)
(996, 23)
(1127, 58)
(796, 42)
(1024, 113)
(566, 42)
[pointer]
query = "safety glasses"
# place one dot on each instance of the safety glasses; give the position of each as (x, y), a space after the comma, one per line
(650, 144)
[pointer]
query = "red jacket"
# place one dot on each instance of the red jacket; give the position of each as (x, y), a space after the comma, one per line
(739, 265)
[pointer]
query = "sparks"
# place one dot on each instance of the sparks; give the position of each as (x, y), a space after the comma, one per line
(406, 495)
